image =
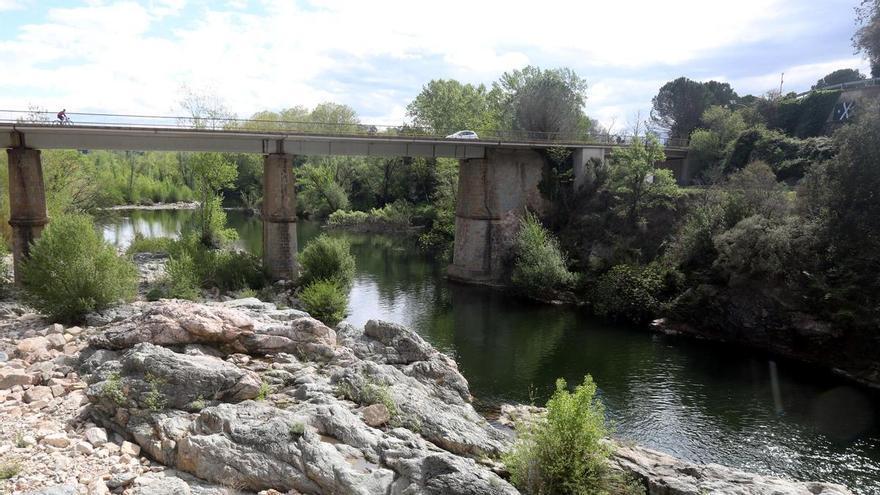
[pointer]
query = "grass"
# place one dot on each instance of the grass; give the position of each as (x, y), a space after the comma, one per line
(154, 399)
(264, 391)
(9, 469)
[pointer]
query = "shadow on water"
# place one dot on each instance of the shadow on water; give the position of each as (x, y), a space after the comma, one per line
(700, 401)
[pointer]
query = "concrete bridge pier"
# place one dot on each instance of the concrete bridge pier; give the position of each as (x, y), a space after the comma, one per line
(583, 163)
(279, 217)
(493, 194)
(27, 203)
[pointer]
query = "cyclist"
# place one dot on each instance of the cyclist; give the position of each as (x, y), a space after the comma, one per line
(62, 116)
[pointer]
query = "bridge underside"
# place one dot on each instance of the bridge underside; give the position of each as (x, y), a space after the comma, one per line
(498, 182)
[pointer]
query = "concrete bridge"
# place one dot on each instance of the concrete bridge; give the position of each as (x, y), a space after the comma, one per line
(498, 180)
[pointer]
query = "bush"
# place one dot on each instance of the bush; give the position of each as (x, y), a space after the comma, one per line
(141, 244)
(767, 250)
(72, 271)
(564, 452)
(539, 266)
(631, 293)
(325, 300)
(183, 277)
(194, 265)
(400, 213)
(344, 218)
(327, 258)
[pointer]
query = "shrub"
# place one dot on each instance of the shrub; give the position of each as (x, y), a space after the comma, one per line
(72, 271)
(344, 218)
(182, 281)
(325, 300)
(630, 292)
(9, 469)
(539, 266)
(564, 452)
(400, 212)
(767, 250)
(327, 258)
(141, 244)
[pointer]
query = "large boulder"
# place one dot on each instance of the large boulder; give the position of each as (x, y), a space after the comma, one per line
(153, 377)
(666, 475)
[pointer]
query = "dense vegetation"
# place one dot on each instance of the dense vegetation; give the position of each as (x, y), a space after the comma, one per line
(72, 271)
(566, 451)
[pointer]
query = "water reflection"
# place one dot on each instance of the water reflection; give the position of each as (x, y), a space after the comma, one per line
(699, 401)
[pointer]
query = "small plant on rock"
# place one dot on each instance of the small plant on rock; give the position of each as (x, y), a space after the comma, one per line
(264, 391)
(297, 429)
(9, 469)
(112, 389)
(325, 300)
(154, 399)
(563, 452)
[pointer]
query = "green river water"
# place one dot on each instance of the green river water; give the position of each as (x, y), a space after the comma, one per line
(699, 401)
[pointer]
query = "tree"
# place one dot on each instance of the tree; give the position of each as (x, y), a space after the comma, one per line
(680, 104)
(636, 181)
(212, 172)
(203, 109)
(446, 106)
(839, 76)
(867, 38)
(543, 103)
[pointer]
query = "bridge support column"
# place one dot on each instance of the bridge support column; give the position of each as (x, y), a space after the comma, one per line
(27, 203)
(279, 217)
(493, 194)
(584, 164)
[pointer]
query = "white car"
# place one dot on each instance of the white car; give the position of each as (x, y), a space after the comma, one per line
(463, 135)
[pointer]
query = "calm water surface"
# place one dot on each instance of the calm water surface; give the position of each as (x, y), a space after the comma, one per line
(699, 401)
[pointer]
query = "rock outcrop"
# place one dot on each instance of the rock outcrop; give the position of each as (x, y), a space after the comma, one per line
(180, 380)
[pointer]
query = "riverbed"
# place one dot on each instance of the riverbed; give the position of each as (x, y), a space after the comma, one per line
(699, 401)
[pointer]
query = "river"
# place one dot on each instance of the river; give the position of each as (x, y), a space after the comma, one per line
(696, 400)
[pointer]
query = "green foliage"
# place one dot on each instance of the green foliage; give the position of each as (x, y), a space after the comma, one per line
(141, 244)
(183, 277)
(447, 106)
(9, 469)
(765, 250)
(805, 117)
(790, 158)
(541, 104)
(564, 452)
(440, 232)
(297, 429)
(321, 193)
(327, 258)
(112, 389)
(867, 38)
(211, 173)
(192, 266)
(264, 391)
(325, 300)
(341, 218)
(839, 76)
(539, 266)
(154, 399)
(632, 293)
(680, 104)
(72, 271)
(637, 183)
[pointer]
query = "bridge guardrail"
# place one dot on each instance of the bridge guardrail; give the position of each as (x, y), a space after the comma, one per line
(38, 117)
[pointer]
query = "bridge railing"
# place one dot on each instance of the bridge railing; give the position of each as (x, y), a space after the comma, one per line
(224, 123)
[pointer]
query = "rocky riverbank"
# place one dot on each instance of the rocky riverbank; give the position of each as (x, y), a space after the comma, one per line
(179, 397)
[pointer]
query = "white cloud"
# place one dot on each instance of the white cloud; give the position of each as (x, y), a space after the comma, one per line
(107, 55)
(11, 5)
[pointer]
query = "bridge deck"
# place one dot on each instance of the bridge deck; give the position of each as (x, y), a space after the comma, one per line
(146, 138)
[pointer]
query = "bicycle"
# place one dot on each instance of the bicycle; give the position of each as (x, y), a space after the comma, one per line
(65, 121)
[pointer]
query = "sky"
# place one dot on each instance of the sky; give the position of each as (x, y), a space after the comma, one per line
(139, 57)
